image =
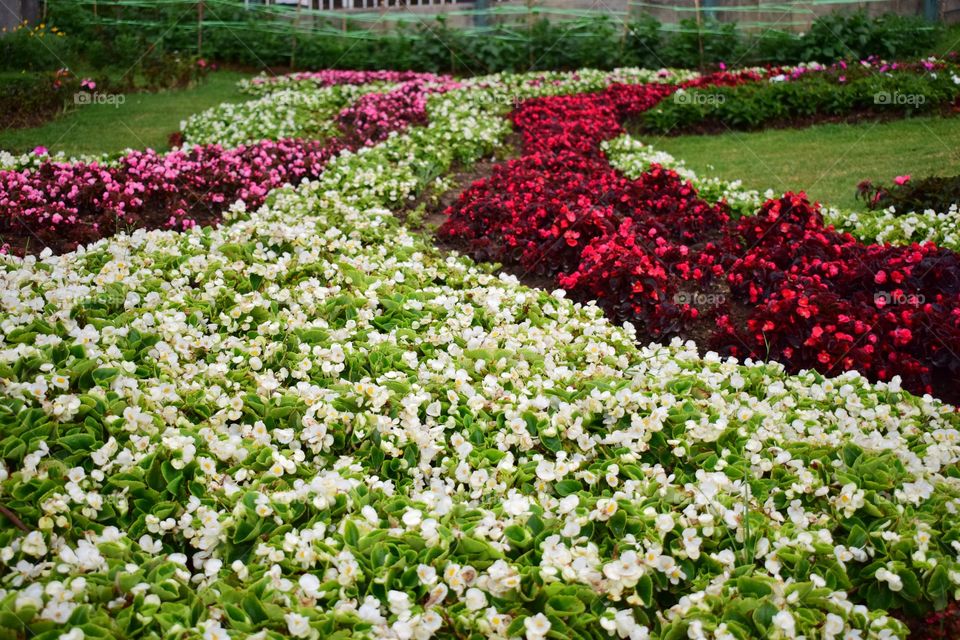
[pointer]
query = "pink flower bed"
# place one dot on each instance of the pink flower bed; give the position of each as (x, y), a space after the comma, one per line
(375, 115)
(63, 205)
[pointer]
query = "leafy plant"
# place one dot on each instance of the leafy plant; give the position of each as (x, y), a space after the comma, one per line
(35, 48)
(121, 31)
(907, 195)
(27, 99)
(854, 36)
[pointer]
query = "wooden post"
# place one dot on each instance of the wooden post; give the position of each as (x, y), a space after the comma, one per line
(200, 28)
(626, 30)
(696, 4)
(529, 35)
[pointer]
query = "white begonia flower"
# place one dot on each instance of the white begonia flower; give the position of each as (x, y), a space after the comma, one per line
(298, 625)
(399, 602)
(784, 622)
(475, 599)
(536, 627)
(516, 504)
(894, 582)
(34, 545)
(665, 523)
(369, 611)
(213, 631)
(426, 574)
(606, 508)
(310, 585)
(412, 518)
(833, 626)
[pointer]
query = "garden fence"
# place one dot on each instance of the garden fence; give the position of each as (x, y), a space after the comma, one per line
(314, 15)
(362, 19)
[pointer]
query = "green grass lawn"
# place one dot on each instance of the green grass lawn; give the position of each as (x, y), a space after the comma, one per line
(143, 120)
(826, 161)
(949, 40)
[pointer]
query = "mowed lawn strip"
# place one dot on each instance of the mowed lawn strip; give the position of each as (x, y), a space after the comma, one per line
(826, 161)
(144, 120)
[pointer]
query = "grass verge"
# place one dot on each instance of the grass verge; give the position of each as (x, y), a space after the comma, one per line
(144, 120)
(826, 161)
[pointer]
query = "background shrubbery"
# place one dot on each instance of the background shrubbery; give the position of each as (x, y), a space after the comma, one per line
(27, 98)
(851, 92)
(149, 47)
(42, 68)
(240, 37)
(36, 48)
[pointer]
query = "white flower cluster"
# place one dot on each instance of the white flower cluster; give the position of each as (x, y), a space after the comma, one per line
(287, 113)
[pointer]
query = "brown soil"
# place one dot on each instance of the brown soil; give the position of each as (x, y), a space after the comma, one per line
(21, 239)
(432, 206)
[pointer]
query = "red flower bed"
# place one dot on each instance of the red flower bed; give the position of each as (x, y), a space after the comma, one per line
(825, 301)
(777, 285)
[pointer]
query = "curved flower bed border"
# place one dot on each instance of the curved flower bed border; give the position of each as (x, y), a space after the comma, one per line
(60, 205)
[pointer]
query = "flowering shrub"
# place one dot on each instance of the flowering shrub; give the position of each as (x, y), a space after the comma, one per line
(934, 193)
(27, 99)
(838, 92)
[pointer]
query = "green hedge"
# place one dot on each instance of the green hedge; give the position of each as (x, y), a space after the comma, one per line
(35, 49)
(28, 98)
(812, 96)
